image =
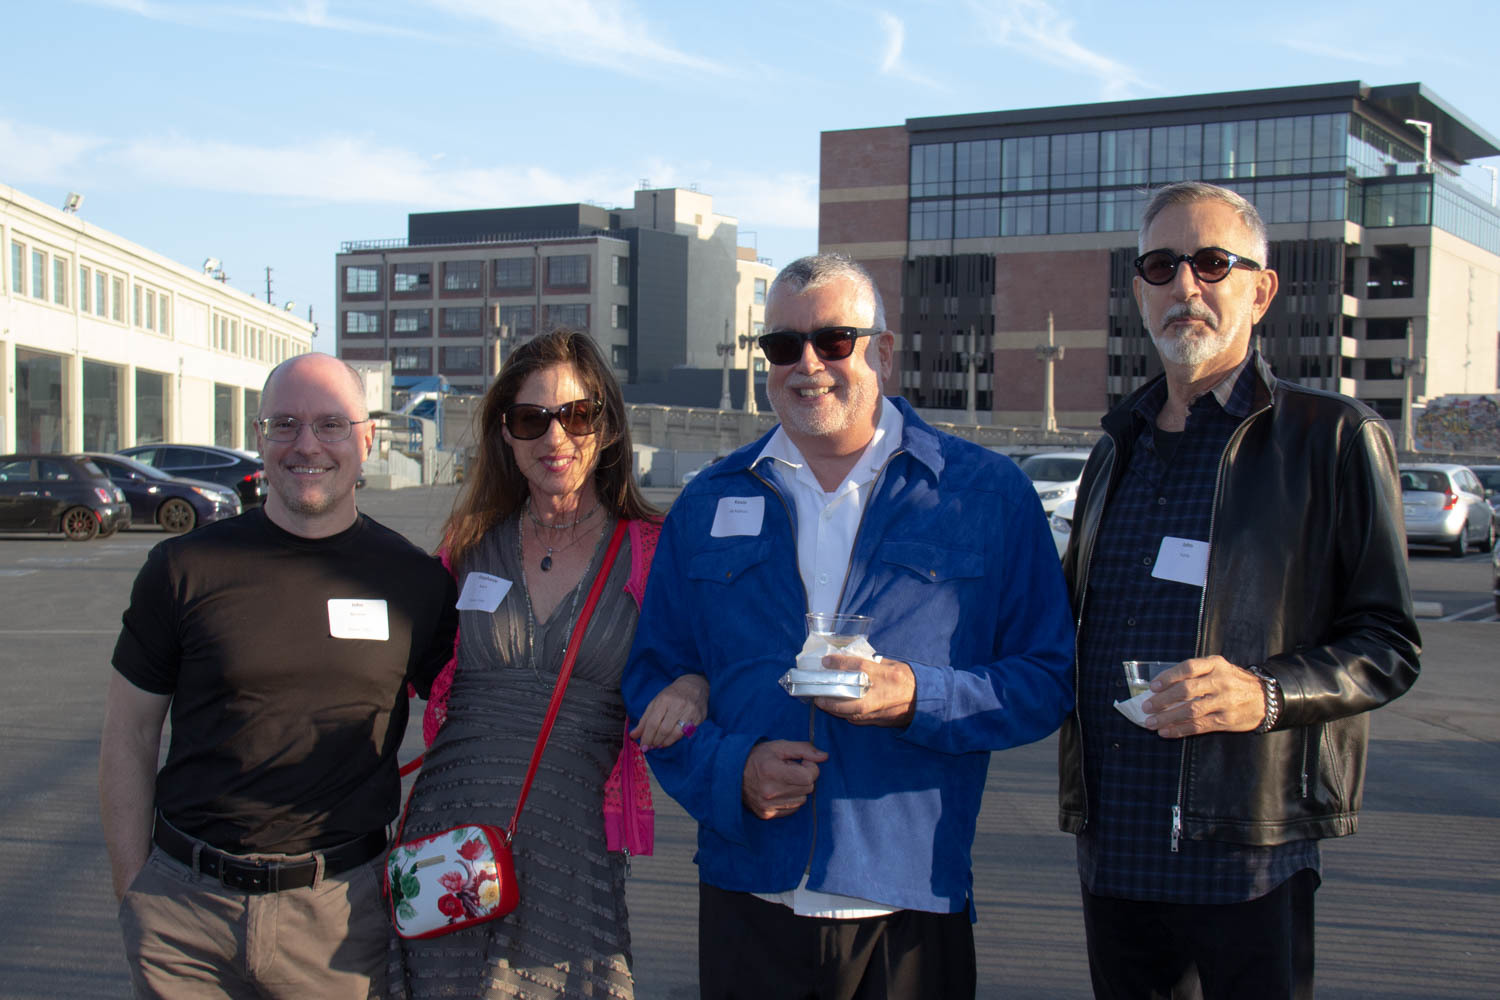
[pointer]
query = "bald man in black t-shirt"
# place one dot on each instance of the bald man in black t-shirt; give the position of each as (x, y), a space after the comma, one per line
(282, 642)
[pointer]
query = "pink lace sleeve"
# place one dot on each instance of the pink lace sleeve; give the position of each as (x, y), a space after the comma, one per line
(643, 537)
(436, 712)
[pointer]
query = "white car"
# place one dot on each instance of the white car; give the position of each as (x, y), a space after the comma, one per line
(1061, 523)
(1055, 475)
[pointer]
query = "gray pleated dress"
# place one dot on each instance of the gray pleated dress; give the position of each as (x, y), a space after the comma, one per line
(569, 937)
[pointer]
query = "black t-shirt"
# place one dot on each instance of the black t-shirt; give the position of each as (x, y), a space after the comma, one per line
(284, 737)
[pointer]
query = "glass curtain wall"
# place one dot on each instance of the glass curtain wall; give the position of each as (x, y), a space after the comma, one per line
(152, 404)
(41, 414)
(101, 407)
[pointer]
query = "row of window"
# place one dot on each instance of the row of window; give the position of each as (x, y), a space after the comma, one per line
(465, 360)
(466, 277)
(468, 321)
(1267, 147)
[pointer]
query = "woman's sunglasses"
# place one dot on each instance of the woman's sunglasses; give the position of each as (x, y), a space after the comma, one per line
(527, 421)
(1210, 264)
(832, 343)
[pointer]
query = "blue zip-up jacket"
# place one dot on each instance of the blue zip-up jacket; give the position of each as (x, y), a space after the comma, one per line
(954, 563)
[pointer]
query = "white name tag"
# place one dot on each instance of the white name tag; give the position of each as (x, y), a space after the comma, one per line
(1182, 560)
(738, 516)
(356, 619)
(482, 592)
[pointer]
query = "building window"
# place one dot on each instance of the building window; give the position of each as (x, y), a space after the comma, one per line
(621, 272)
(620, 317)
(619, 356)
(571, 271)
(117, 299)
(1023, 215)
(17, 269)
(1024, 164)
(60, 281)
(931, 220)
(1386, 329)
(223, 415)
(1392, 273)
(101, 406)
(412, 279)
(162, 326)
(517, 320)
(411, 360)
(975, 217)
(150, 309)
(101, 294)
(463, 275)
(85, 283)
(760, 291)
(411, 322)
(361, 280)
(41, 385)
(932, 170)
(514, 273)
(135, 310)
(361, 323)
(976, 167)
(567, 317)
(152, 404)
(462, 360)
(461, 322)
(38, 274)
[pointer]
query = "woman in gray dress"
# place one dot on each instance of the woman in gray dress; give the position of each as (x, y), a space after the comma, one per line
(553, 475)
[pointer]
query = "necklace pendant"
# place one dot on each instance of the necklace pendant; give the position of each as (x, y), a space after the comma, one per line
(546, 562)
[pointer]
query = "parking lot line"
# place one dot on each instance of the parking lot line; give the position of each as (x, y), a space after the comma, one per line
(1457, 615)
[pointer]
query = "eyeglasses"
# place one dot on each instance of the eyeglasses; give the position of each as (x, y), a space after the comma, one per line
(329, 430)
(1211, 264)
(527, 421)
(832, 343)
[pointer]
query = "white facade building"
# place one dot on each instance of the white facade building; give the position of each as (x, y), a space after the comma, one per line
(105, 344)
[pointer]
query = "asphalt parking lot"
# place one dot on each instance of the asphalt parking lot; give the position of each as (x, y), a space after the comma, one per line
(1410, 907)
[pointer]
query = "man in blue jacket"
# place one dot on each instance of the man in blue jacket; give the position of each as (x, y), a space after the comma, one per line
(834, 837)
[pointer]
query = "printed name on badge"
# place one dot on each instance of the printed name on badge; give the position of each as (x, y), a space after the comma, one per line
(738, 516)
(349, 618)
(1182, 560)
(482, 592)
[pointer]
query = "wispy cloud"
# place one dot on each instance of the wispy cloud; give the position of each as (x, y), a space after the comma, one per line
(1040, 31)
(32, 154)
(607, 33)
(303, 13)
(891, 61)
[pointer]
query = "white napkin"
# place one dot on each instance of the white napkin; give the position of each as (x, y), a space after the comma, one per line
(1131, 709)
(816, 647)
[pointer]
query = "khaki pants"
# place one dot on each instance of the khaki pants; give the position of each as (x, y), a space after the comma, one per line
(187, 936)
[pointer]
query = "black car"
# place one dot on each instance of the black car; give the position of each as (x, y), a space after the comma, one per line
(66, 493)
(156, 497)
(225, 466)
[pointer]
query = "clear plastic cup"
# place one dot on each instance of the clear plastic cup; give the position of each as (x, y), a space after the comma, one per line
(1140, 673)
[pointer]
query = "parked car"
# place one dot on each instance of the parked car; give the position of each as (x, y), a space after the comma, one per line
(1445, 505)
(1055, 475)
(1061, 524)
(1489, 477)
(66, 493)
(1495, 568)
(225, 466)
(156, 497)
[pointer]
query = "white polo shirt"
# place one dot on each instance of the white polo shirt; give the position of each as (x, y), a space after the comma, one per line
(827, 522)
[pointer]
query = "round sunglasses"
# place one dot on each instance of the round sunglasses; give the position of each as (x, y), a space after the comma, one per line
(1210, 265)
(527, 421)
(832, 343)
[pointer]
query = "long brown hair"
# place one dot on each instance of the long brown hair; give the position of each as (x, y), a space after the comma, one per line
(495, 488)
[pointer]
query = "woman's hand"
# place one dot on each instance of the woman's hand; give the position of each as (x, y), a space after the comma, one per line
(674, 713)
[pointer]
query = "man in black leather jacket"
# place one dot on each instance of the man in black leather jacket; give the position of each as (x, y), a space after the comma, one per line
(1246, 530)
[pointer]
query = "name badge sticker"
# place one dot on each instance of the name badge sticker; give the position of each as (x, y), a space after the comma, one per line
(349, 618)
(482, 592)
(738, 516)
(1182, 560)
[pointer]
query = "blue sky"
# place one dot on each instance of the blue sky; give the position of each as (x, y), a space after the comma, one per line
(266, 133)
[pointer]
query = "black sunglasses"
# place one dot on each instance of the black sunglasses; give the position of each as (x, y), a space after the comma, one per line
(1211, 264)
(832, 343)
(527, 421)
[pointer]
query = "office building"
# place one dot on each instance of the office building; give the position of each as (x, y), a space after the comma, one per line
(105, 344)
(992, 222)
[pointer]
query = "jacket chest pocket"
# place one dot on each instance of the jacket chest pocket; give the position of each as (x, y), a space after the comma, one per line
(725, 566)
(932, 564)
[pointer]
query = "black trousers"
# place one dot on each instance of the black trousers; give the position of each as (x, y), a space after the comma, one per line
(749, 949)
(1257, 950)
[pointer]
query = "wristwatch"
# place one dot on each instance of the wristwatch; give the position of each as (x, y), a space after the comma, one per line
(1272, 689)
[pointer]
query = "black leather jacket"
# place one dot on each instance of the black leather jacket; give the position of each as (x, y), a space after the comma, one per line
(1306, 579)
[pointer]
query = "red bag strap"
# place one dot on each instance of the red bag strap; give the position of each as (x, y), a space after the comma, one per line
(566, 671)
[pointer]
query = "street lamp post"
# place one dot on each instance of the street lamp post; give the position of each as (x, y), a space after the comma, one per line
(1407, 367)
(1049, 354)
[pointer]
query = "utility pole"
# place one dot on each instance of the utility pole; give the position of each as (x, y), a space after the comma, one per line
(268, 286)
(1407, 367)
(1049, 354)
(726, 351)
(748, 342)
(971, 380)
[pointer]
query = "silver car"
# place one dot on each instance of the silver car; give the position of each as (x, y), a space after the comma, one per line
(1445, 505)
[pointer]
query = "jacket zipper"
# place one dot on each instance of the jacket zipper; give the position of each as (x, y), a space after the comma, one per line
(1213, 516)
(627, 800)
(812, 800)
(1304, 762)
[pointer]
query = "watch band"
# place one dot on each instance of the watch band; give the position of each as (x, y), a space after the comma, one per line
(1272, 690)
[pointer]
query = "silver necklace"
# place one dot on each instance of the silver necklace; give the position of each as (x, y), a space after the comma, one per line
(526, 591)
(546, 563)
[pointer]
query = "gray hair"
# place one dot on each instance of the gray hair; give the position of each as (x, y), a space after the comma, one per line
(819, 269)
(1190, 192)
(355, 376)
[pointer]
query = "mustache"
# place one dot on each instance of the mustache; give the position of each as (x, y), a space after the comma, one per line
(1191, 310)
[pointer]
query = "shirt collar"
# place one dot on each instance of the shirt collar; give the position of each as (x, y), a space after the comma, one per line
(1235, 393)
(883, 444)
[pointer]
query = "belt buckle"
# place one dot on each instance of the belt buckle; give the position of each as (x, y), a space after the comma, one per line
(245, 876)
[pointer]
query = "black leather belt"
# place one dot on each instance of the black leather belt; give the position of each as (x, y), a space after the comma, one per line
(248, 875)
